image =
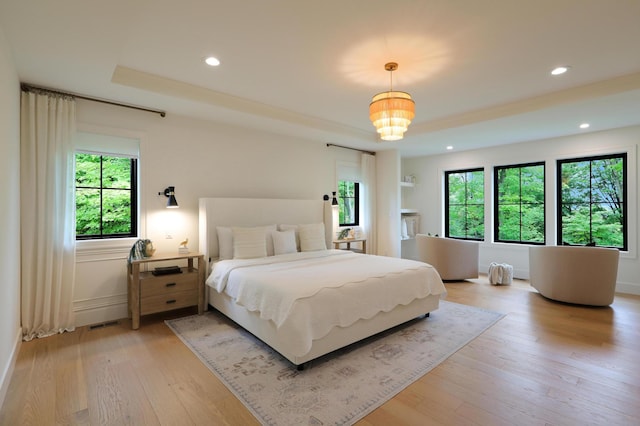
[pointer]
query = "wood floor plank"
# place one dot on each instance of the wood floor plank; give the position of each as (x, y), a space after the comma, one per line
(12, 409)
(557, 374)
(70, 379)
(543, 363)
(40, 398)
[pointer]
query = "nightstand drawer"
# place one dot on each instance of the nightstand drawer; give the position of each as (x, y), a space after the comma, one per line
(154, 286)
(165, 302)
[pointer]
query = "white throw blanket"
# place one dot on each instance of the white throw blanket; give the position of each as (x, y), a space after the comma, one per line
(272, 285)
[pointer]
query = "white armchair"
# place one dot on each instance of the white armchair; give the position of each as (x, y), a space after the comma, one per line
(582, 275)
(453, 259)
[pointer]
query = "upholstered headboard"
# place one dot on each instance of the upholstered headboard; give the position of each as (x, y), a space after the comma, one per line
(257, 212)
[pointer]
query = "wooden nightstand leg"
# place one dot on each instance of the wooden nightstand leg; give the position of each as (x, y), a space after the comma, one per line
(201, 290)
(135, 296)
(129, 275)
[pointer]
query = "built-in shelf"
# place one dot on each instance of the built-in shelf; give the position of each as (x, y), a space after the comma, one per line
(410, 218)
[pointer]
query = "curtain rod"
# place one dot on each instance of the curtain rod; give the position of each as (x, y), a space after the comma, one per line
(29, 88)
(354, 149)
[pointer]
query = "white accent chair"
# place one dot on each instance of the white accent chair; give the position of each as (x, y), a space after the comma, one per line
(453, 259)
(572, 274)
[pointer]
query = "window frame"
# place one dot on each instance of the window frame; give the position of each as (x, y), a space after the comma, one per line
(356, 203)
(625, 195)
(497, 204)
(133, 199)
(447, 203)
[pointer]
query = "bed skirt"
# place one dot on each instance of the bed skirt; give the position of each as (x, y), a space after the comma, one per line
(337, 338)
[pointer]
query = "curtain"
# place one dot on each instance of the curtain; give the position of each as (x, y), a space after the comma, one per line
(47, 213)
(368, 194)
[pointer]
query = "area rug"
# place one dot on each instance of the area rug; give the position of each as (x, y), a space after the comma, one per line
(337, 389)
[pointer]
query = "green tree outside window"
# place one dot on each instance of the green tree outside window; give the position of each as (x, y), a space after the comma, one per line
(464, 204)
(105, 196)
(519, 205)
(348, 203)
(592, 199)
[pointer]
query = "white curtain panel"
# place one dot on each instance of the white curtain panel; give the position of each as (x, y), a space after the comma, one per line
(47, 214)
(368, 194)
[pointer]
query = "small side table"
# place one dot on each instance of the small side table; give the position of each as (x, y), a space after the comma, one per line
(336, 243)
(149, 294)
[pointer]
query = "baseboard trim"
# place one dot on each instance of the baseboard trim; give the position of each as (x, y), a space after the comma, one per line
(518, 273)
(100, 309)
(9, 368)
(628, 288)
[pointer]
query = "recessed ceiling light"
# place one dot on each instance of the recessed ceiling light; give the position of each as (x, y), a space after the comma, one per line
(584, 125)
(449, 147)
(212, 61)
(559, 70)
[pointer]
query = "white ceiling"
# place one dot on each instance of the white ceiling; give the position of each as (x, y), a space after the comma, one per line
(478, 70)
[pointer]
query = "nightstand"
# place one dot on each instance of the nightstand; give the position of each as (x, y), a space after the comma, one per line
(149, 294)
(336, 243)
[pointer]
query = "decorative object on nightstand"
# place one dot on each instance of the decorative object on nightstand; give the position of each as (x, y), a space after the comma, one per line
(149, 250)
(150, 292)
(183, 249)
(141, 249)
(344, 234)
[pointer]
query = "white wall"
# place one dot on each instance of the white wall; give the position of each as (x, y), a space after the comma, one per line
(428, 197)
(388, 203)
(201, 159)
(10, 333)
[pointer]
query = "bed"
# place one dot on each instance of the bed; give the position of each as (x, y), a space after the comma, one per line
(304, 301)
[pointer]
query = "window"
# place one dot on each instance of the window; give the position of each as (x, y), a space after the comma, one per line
(464, 204)
(519, 204)
(349, 203)
(106, 196)
(592, 194)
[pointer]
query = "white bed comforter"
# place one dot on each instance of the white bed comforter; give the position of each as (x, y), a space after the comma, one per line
(307, 294)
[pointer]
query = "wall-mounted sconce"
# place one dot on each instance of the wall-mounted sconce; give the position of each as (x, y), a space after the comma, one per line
(170, 192)
(334, 201)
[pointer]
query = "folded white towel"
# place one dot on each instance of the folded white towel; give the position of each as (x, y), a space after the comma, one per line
(403, 232)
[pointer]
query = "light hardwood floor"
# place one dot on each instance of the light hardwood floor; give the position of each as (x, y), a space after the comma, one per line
(544, 363)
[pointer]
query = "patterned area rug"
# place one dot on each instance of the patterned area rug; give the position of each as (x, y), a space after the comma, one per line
(340, 388)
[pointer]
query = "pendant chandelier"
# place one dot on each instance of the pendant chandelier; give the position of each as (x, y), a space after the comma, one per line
(391, 112)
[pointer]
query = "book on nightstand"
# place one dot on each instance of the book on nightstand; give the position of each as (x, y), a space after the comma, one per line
(167, 270)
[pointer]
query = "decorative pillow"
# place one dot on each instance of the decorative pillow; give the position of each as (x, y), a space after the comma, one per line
(284, 242)
(249, 243)
(225, 240)
(312, 237)
(293, 228)
(267, 232)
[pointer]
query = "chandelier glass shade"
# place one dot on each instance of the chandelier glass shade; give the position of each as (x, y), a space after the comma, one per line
(391, 112)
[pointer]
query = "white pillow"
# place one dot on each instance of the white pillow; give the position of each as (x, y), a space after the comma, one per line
(225, 240)
(249, 243)
(284, 242)
(312, 237)
(293, 228)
